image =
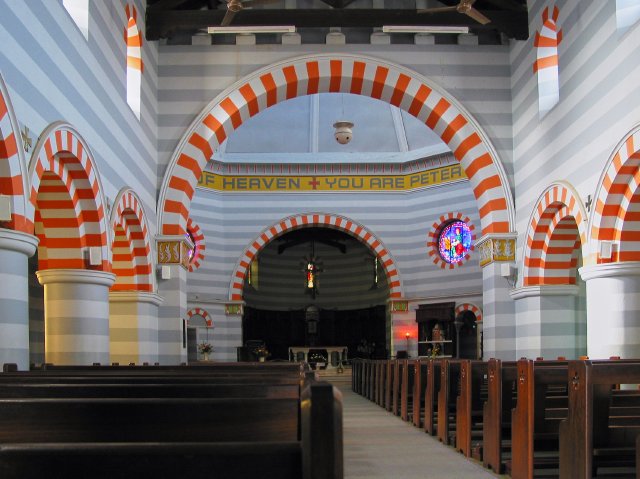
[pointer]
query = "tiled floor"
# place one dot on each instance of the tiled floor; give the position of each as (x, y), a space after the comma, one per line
(380, 445)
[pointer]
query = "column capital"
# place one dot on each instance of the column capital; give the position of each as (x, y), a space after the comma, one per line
(86, 276)
(18, 241)
(610, 270)
(398, 305)
(497, 247)
(544, 290)
(174, 250)
(135, 297)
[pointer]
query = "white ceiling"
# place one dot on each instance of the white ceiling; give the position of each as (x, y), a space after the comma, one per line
(301, 130)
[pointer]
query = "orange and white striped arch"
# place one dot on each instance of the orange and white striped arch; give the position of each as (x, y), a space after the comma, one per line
(131, 248)
(436, 229)
(66, 201)
(199, 246)
(344, 73)
(461, 308)
(135, 66)
(546, 65)
(616, 215)
(309, 220)
(555, 238)
(202, 313)
(13, 166)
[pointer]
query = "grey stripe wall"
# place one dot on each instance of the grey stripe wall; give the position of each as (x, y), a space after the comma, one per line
(54, 73)
(230, 222)
(599, 103)
(189, 77)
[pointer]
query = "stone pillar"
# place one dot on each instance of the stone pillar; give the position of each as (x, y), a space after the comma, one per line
(133, 326)
(613, 309)
(76, 315)
(549, 323)
(497, 256)
(15, 249)
(173, 260)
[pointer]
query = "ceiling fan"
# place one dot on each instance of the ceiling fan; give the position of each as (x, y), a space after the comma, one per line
(465, 6)
(235, 6)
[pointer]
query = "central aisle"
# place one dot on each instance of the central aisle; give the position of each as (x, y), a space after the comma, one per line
(380, 445)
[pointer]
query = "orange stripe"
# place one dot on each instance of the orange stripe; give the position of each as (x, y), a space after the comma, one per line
(467, 144)
(547, 62)
(201, 144)
(180, 184)
(487, 184)
(379, 82)
(135, 63)
(336, 75)
(252, 102)
(8, 147)
(496, 227)
(3, 107)
(191, 164)
(419, 100)
(11, 186)
(357, 78)
(270, 87)
(292, 81)
(441, 107)
(313, 73)
(453, 127)
(233, 112)
(216, 127)
(400, 89)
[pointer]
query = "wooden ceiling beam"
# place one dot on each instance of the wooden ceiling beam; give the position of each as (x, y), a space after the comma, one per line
(164, 24)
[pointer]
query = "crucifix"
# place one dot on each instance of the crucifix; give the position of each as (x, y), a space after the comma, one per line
(588, 203)
(27, 142)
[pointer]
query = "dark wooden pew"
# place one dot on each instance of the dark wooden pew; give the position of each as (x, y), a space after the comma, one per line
(388, 384)
(496, 415)
(447, 395)
(406, 388)
(603, 422)
(541, 405)
(380, 370)
(397, 383)
(431, 397)
(289, 437)
(469, 407)
(419, 385)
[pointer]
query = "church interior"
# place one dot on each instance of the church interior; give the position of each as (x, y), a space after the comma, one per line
(398, 189)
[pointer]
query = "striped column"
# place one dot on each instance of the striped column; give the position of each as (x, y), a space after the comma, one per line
(499, 328)
(613, 309)
(133, 326)
(173, 259)
(76, 315)
(15, 250)
(549, 322)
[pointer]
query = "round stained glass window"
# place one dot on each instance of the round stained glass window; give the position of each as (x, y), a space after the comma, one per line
(454, 241)
(192, 251)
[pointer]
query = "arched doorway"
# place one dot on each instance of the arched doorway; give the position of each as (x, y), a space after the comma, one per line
(320, 270)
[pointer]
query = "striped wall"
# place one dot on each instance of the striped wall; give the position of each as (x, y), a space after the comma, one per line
(13, 168)
(347, 74)
(556, 235)
(402, 222)
(132, 258)
(66, 201)
(615, 217)
(546, 42)
(135, 65)
(599, 105)
(53, 72)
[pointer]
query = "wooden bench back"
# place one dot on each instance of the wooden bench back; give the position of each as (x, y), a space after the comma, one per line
(589, 425)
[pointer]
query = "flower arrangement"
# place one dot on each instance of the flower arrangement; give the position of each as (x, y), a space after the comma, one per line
(316, 357)
(262, 352)
(205, 348)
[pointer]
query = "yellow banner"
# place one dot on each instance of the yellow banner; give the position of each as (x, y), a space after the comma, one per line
(329, 183)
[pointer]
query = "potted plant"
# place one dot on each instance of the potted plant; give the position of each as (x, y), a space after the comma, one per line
(205, 349)
(262, 353)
